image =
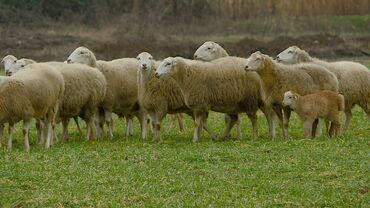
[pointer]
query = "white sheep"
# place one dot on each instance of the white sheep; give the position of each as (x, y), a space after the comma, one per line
(34, 92)
(323, 104)
(210, 51)
(279, 78)
(220, 85)
(353, 78)
(159, 96)
(122, 94)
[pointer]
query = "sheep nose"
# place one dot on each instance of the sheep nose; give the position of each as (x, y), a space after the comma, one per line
(246, 67)
(195, 56)
(8, 73)
(157, 75)
(69, 61)
(144, 66)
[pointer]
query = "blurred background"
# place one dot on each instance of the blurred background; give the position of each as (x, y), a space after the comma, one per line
(47, 30)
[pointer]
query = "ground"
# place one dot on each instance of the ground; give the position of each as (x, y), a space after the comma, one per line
(298, 172)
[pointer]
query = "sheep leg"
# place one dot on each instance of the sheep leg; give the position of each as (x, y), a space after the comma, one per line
(314, 127)
(253, 118)
(199, 118)
(334, 127)
(26, 128)
(1, 134)
(269, 114)
(99, 123)
(279, 114)
(287, 113)
(180, 121)
(65, 123)
(55, 135)
(172, 120)
(318, 130)
(42, 132)
(143, 120)
(348, 113)
(38, 130)
(78, 125)
(10, 140)
(50, 133)
(90, 129)
(129, 128)
(308, 128)
(231, 121)
(156, 123)
(109, 121)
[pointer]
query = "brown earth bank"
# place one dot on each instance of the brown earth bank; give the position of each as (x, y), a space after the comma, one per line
(46, 46)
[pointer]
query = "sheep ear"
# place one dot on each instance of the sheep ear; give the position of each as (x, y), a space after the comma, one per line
(295, 97)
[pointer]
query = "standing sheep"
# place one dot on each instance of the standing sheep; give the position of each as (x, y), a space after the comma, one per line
(219, 86)
(210, 51)
(323, 104)
(353, 78)
(279, 78)
(34, 92)
(122, 90)
(159, 96)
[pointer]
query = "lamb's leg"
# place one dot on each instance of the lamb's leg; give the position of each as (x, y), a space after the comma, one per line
(308, 128)
(348, 113)
(65, 129)
(231, 121)
(335, 126)
(77, 124)
(287, 113)
(156, 123)
(42, 132)
(269, 114)
(279, 114)
(38, 130)
(90, 129)
(314, 127)
(253, 118)
(171, 121)
(99, 123)
(26, 128)
(10, 140)
(1, 134)
(50, 133)
(318, 130)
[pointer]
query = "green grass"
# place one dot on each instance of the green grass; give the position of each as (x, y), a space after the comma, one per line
(299, 172)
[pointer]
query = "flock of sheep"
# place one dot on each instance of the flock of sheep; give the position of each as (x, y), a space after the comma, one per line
(141, 87)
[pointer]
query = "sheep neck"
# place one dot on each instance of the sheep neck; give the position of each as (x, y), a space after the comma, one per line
(268, 75)
(181, 77)
(145, 77)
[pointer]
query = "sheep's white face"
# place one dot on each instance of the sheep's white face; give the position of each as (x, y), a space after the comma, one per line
(165, 67)
(145, 61)
(18, 65)
(255, 62)
(81, 55)
(289, 55)
(8, 61)
(207, 51)
(290, 99)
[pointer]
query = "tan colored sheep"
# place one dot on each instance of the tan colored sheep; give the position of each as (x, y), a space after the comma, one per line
(159, 96)
(220, 85)
(323, 104)
(279, 78)
(31, 93)
(354, 79)
(122, 94)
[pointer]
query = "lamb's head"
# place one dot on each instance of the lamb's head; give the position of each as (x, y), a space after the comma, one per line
(167, 67)
(290, 99)
(82, 55)
(256, 61)
(145, 61)
(209, 51)
(8, 61)
(293, 55)
(18, 65)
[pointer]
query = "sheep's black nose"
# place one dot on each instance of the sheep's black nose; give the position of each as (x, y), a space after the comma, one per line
(246, 67)
(157, 75)
(144, 66)
(68, 60)
(195, 56)
(277, 58)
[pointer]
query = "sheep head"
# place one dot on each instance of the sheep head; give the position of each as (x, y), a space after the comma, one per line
(8, 61)
(257, 62)
(82, 55)
(18, 65)
(209, 51)
(145, 60)
(290, 99)
(169, 66)
(293, 55)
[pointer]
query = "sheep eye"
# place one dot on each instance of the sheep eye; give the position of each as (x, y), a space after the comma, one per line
(258, 59)
(150, 58)
(167, 64)
(290, 51)
(209, 48)
(138, 58)
(81, 53)
(14, 61)
(22, 65)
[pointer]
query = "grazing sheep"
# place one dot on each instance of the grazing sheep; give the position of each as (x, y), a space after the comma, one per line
(220, 85)
(323, 104)
(279, 78)
(353, 78)
(210, 51)
(8, 60)
(159, 96)
(34, 92)
(122, 90)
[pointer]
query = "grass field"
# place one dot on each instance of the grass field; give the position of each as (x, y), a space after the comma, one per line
(298, 172)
